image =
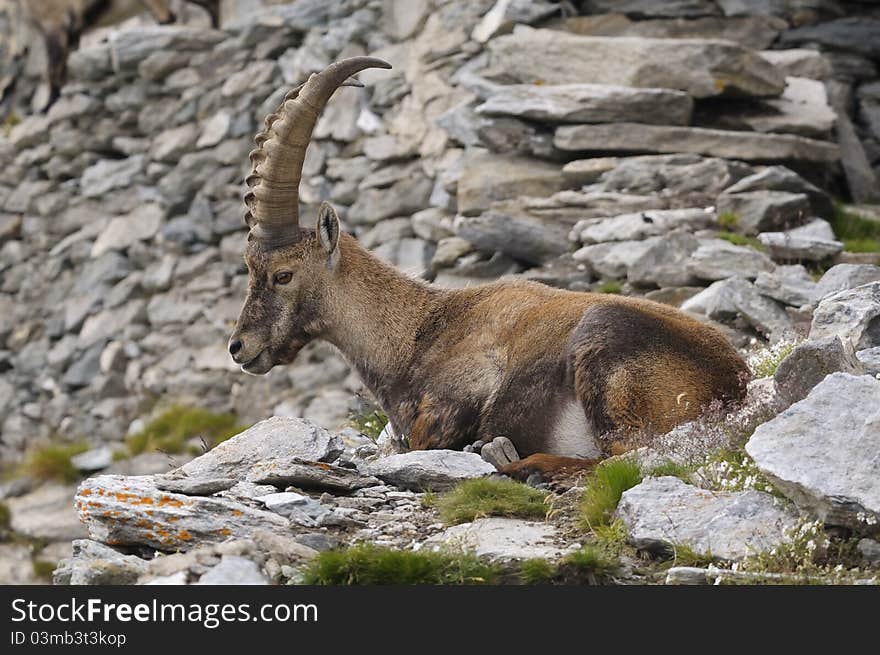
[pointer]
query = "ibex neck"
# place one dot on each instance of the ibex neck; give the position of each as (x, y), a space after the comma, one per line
(375, 313)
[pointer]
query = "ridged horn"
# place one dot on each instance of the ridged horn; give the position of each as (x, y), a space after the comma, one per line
(276, 163)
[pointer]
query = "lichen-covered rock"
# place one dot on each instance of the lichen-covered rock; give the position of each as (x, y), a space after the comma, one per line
(423, 470)
(824, 451)
(131, 511)
(93, 563)
(661, 513)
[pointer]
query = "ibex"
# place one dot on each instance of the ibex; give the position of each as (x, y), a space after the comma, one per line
(547, 368)
(61, 22)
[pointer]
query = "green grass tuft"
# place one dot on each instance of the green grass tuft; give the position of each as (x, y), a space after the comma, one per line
(370, 424)
(5, 518)
(372, 565)
(604, 488)
(170, 431)
(480, 497)
(673, 469)
(52, 462)
(742, 240)
(684, 555)
(609, 286)
(591, 561)
(728, 220)
(611, 538)
(537, 571)
(858, 234)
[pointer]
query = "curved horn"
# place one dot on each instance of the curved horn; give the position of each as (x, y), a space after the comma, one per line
(277, 161)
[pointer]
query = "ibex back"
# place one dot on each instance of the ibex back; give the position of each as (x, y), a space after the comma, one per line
(547, 368)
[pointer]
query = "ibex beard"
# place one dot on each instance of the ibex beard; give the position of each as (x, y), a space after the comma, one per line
(547, 368)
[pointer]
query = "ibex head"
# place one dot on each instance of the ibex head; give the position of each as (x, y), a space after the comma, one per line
(290, 269)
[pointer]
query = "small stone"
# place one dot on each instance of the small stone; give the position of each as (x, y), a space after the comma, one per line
(95, 459)
(195, 487)
(429, 469)
(234, 570)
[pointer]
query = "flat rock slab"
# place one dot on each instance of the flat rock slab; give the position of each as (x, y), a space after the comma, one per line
(311, 475)
(590, 103)
(434, 470)
(639, 225)
(701, 67)
(121, 511)
(275, 441)
(824, 451)
(500, 539)
(45, 513)
(661, 513)
(195, 486)
(748, 146)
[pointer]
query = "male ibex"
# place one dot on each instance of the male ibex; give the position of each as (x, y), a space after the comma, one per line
(547, 368)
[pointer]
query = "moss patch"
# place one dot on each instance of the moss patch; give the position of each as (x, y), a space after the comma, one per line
(52, 462)
(170, 431)
(473, 499)
(604, 489)
(537, 571)
(670, 468)
(591, 562)
(371, 565)
(742, 240)
(858, 234)
(43, 569)
(728, 220)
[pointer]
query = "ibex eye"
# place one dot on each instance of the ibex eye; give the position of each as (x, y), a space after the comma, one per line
(283, 278)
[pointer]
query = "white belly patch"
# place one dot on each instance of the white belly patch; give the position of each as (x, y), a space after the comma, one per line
(572, 433)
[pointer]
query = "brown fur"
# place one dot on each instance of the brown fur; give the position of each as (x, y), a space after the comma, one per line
(503, 359)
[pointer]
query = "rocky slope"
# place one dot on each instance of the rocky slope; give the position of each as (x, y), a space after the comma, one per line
(688, 152)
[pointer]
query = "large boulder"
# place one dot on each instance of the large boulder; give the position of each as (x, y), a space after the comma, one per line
(845, 276)
(702, 68)
(663, 513)
(824, 451)
(809, 363)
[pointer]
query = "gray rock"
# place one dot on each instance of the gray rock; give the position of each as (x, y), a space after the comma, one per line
(677, 175)
(737, 296)
(85, 369)
(413, 256)
(93, 563)
(859, 34)
(273, 442)
(500, 539)
(289, 503)
(843, 277)
(130, 511)
(487, 177)
(109, 174)
(791, 285)
(662, 513)
(691, 65)
(499, 451)
(95, 459)
(627, 227)
(311, 475)
(234, 570)
(171, 143)
(824, 451)
(869, 358)
(788, 246)
(759, 211)
(798, 62)
(424, 470)
(717, 259)
(589, 103)
(687, 575)
(780, 178)
(46, 513)
(748, 146)
(402, 198)
(141, 224)
(505, 14)
(194, 486)
(803, 109)
(853, 315)
(214, 130)
(111, 322)
(614, 258)
(510, 228)
(664, 263)
(809, 363)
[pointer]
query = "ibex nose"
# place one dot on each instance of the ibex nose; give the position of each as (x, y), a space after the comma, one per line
(235, 347)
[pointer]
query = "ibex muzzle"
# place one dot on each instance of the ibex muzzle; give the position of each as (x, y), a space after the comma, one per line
(549, 369)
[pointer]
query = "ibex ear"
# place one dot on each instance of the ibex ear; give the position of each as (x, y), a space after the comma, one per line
(328, 231)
